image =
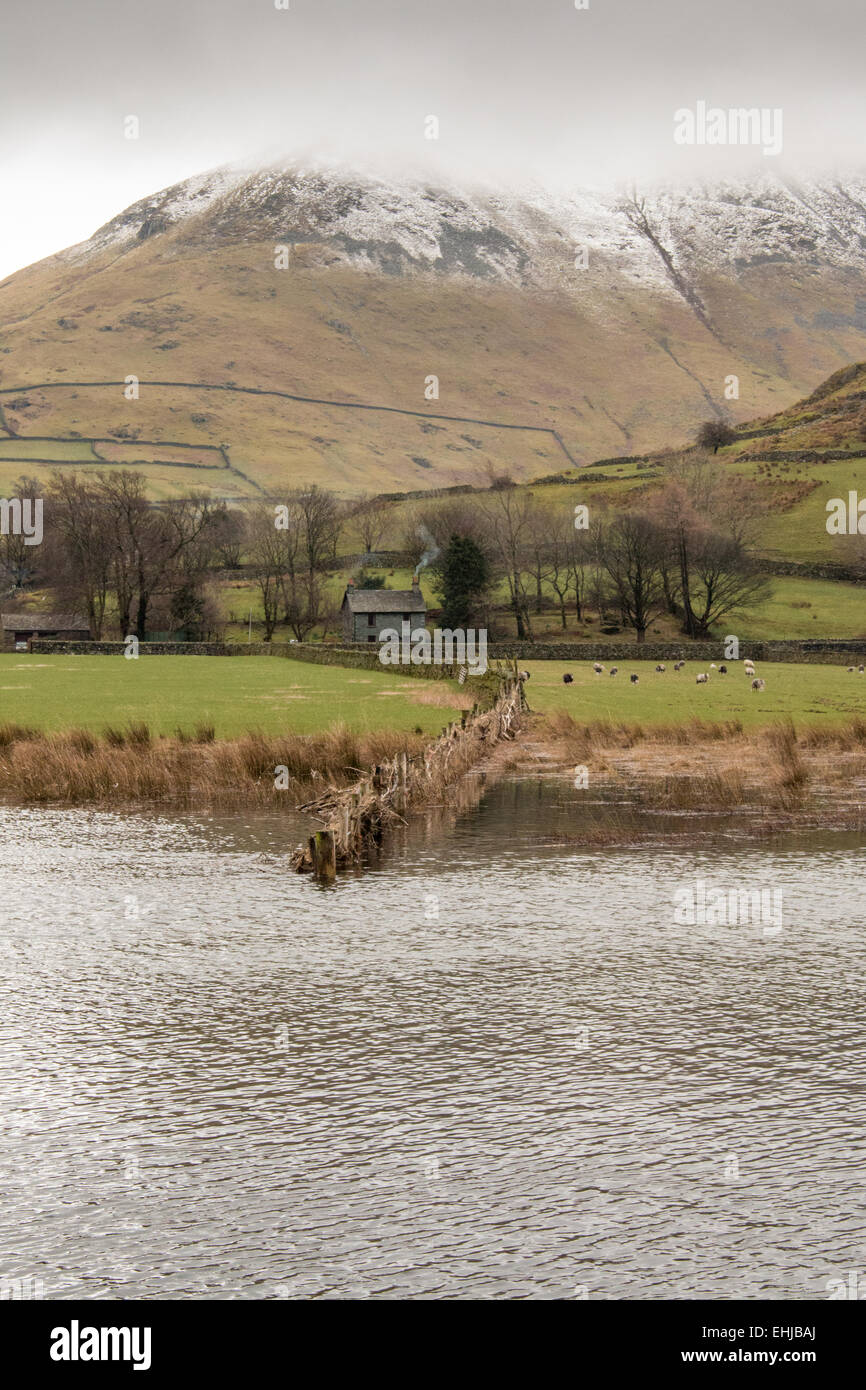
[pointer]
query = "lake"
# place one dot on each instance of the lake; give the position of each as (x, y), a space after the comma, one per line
(495, 1066)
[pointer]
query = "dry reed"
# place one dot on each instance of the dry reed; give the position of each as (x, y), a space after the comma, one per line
(131, 766)
(717, 767)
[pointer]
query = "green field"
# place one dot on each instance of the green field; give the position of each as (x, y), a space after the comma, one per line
(235, 694)
(806, 608)
(799, 532)
(804, 693)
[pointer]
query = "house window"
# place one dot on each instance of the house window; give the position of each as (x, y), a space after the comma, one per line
(407, 617)
(371, 638)
(370, 617)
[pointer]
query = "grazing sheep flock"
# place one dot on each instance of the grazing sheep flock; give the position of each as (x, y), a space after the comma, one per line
(701, 679)
(756, 683)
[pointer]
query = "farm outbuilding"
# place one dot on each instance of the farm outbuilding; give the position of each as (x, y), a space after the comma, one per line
(18, 628)
(368, 612)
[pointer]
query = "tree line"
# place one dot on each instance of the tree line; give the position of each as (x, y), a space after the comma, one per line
(684, 549)
(497, 558)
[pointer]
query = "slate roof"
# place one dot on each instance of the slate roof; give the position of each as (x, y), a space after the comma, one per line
(43, 622)
(385, 600)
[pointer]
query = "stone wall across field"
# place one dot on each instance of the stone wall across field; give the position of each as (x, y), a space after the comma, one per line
(367, 658)
(813, 569)
(359, 658)
(676, 651)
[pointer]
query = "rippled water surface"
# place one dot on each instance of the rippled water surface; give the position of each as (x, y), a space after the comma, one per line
(495, 1066)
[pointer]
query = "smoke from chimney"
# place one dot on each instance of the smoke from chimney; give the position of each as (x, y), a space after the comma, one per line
(430, 552)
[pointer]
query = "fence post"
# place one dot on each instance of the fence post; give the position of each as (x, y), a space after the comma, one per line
(324, 853)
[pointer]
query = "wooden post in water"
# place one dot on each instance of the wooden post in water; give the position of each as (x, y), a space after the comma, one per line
(323, 850)
(400, 793)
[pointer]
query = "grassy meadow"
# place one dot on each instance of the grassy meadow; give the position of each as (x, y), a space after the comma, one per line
(806, 694)
(235, 695)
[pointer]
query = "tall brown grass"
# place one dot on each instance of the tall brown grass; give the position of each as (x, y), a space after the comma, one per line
(131, 766)
(700, 765)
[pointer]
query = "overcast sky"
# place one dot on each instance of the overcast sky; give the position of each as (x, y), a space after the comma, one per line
(522, 89)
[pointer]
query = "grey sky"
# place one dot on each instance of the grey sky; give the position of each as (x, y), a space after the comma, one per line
(522, 88)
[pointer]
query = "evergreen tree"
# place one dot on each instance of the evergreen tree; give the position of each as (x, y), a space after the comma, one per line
(464, 576)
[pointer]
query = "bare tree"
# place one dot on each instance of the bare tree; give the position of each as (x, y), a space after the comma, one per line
(725, 580)
(83, 540)
(312, 528)
(565, 555)
(267, 548)
(631, 549)
(371, 516)
(321, 522)
(706, 514)
(148, 543)
(228, 537)
(124, 508)
(510, 513)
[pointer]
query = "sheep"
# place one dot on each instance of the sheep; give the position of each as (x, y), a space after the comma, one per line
(758, 685)
(860, 670)
(597, 668)
(524, 675)
(679, 665)
(660, 668)
(702, 678)
(567, 679)
(850, 670)
(723, 670)
(712, 666)
(613, 670)
(633, 678)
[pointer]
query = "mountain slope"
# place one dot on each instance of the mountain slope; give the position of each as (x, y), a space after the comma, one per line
(542, 362)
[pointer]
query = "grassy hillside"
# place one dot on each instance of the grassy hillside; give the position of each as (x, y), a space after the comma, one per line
(785, 455)
(611, 368)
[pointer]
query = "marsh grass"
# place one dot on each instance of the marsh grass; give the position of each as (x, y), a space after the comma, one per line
(130, 766)
(704, 766)
(16, 733)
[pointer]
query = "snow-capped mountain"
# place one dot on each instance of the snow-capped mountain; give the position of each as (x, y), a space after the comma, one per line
(612, 322)
(529, 239)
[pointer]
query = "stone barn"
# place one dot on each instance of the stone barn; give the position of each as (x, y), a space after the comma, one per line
(18, 628)
(368, 612)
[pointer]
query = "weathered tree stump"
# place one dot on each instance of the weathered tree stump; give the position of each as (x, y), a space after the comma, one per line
(323, 850)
